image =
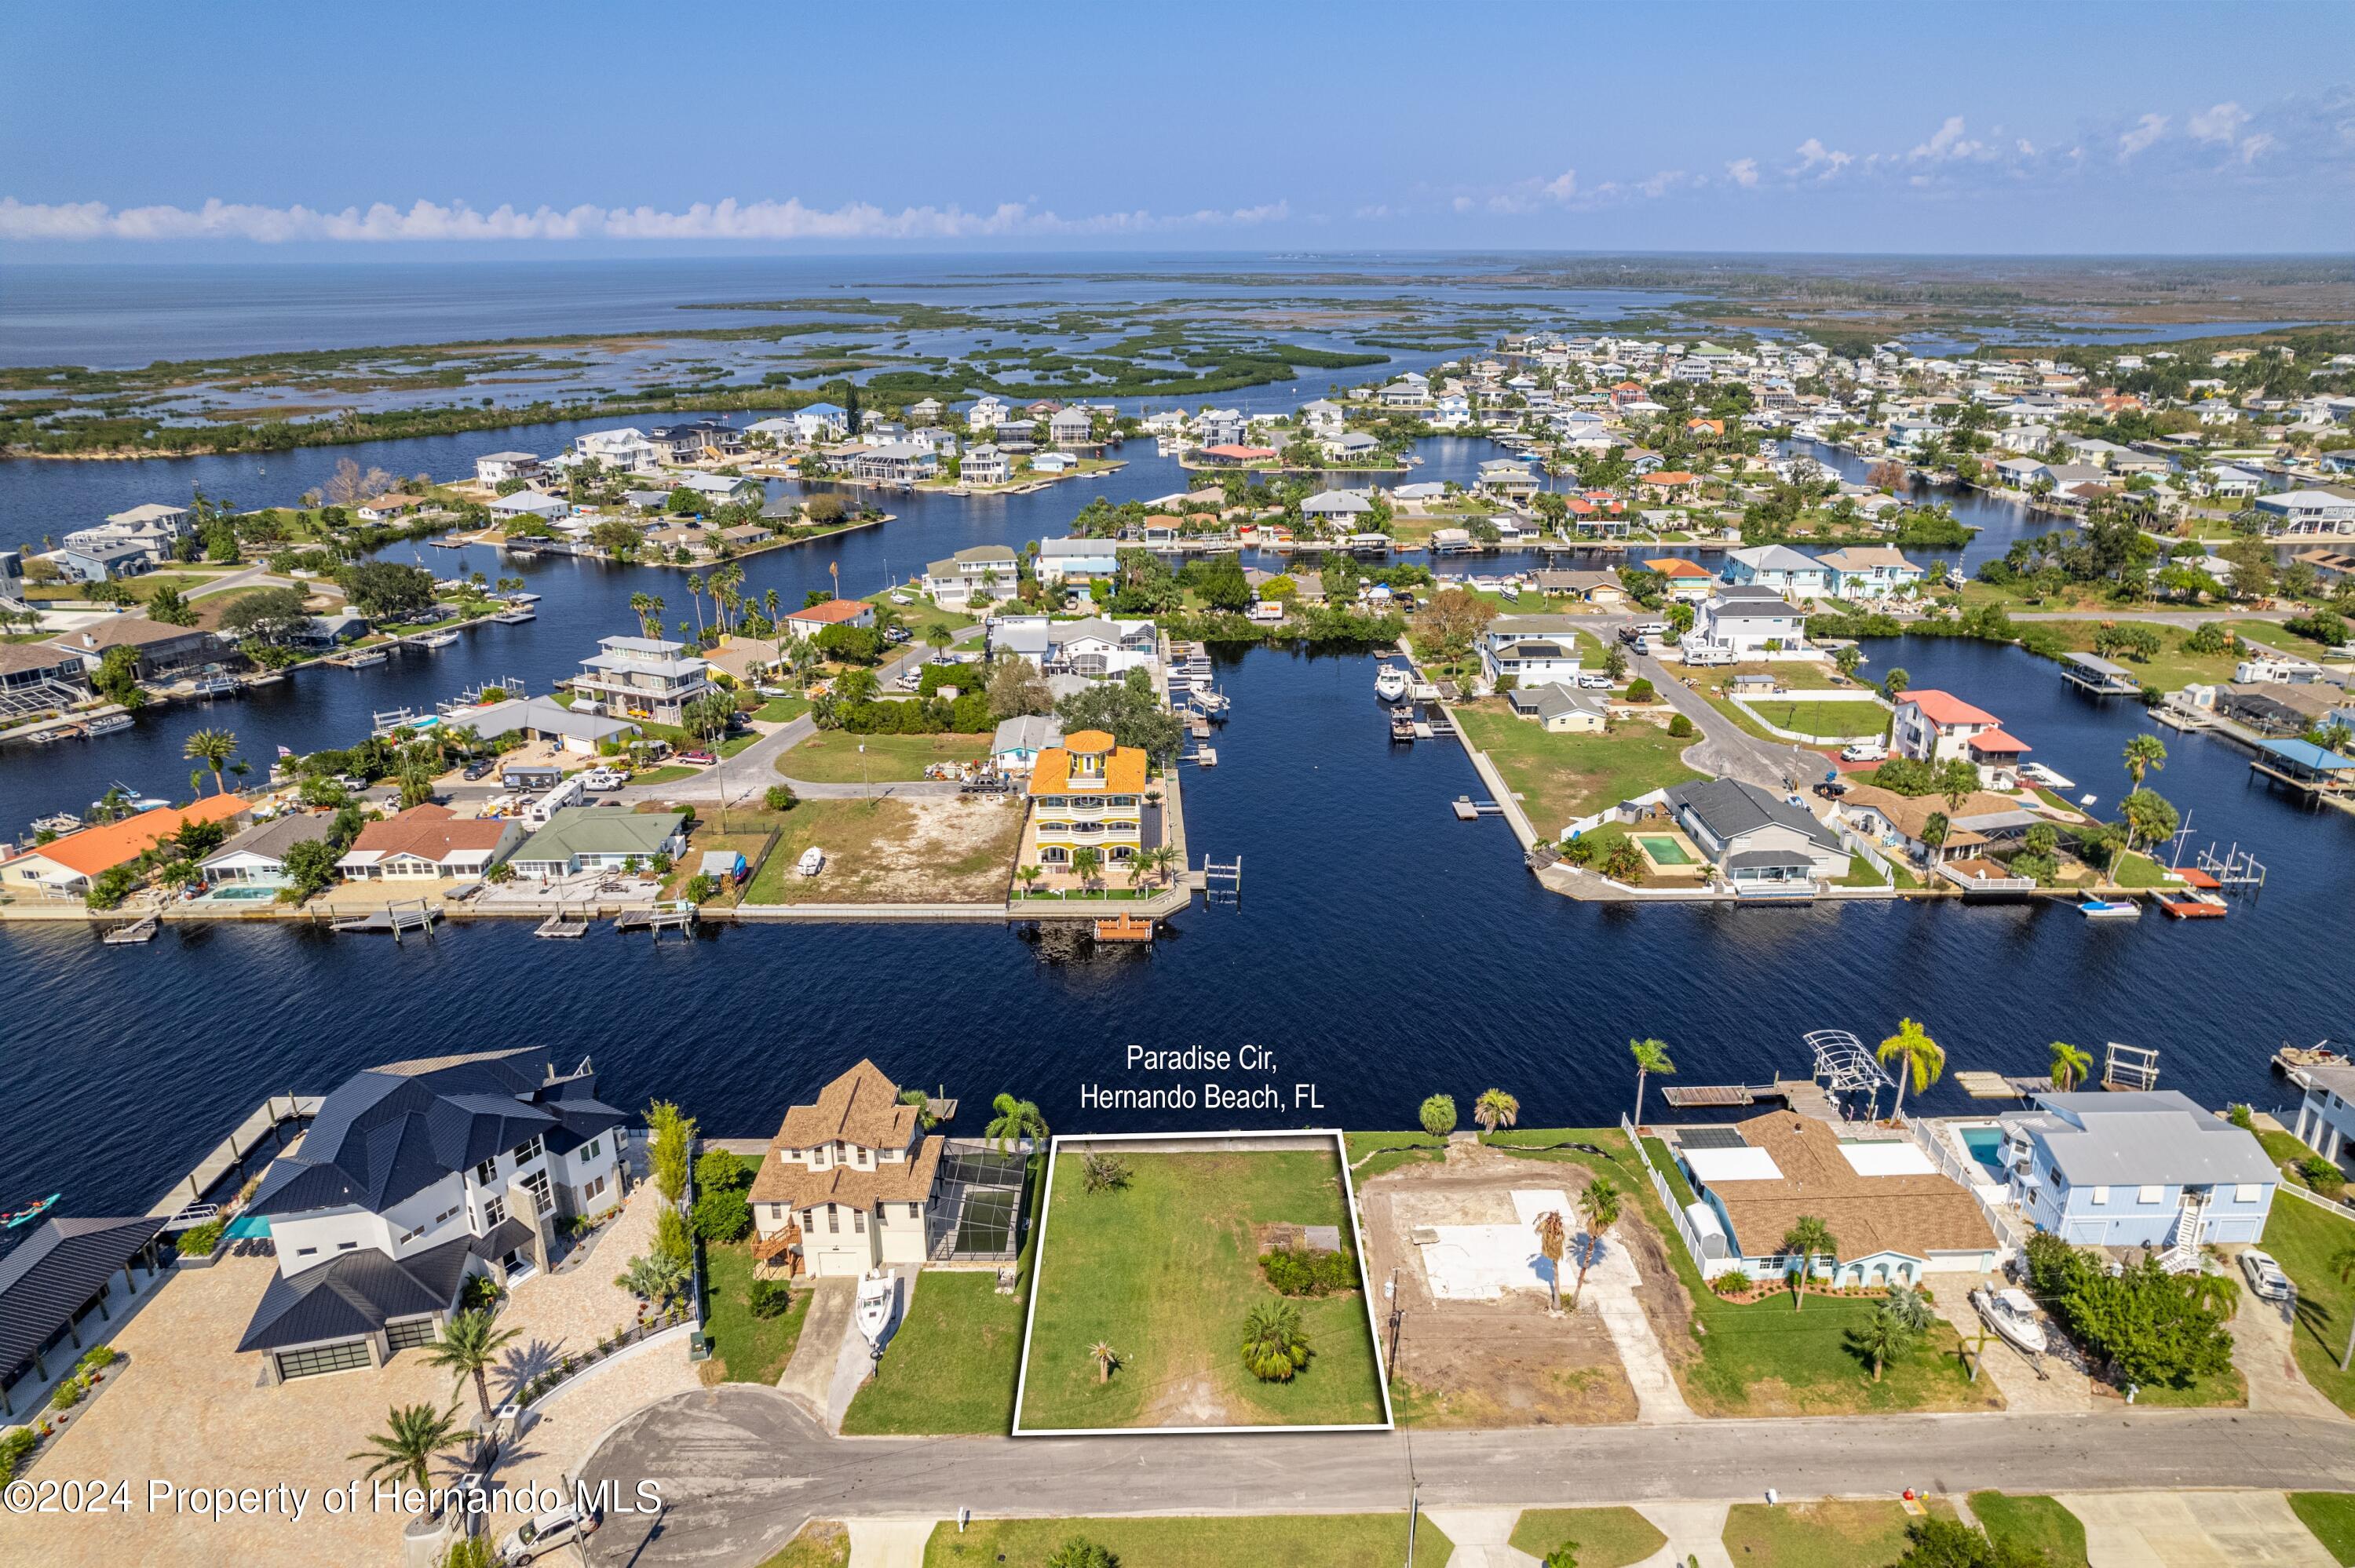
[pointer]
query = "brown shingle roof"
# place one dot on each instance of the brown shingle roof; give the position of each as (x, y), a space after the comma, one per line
(1913, 1214)
(430, 833)
(797, 1186)
(861, 1107)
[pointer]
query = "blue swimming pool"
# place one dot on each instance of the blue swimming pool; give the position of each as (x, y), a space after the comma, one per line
(1986, 1144)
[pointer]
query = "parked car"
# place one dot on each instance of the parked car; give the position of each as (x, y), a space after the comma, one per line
(1594, 680)
(478, 770)
(543, 1533)
(699, 758)
(898, 634)
(2266, 1280)
(1643, 643)
(1652, 628)
(1864, 751)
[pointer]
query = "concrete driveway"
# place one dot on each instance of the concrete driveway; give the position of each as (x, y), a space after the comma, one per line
(2193, 1530)
(2261, 1349)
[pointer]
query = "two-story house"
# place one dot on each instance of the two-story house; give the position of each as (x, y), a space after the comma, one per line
(1088, 793)
(848, 1183)
(1779, 567)
(2149, 1168)
(979, 570)
(1077, 560)
(1747, 622)
(1531, 649)
(1932, 726)
(412, 1177)
(1869, 571)
(641, 678)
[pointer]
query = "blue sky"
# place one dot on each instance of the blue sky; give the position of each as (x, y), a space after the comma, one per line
(190, 132)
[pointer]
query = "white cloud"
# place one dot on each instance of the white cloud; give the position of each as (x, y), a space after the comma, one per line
(1664, 182)
(1814, 155)
(2146, 130)
(1947, 141)
(725, 220)
(2221, 123)
(1744, 171)
(2252, 147)
(1561, 187)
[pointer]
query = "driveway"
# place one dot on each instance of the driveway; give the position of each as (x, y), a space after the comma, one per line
(2193, 1530)
(1725, 749)
(2261, 1349)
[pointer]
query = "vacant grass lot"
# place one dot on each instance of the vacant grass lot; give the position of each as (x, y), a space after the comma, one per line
(1826, 720)
(947, 851)
(2035, 1523)
(1165, 1270)
(1815, 1535)
(745, 1349)
(1603, 1537)
(1562, 777)
(1319, 1541)
(831, 757)
(2303, 1239)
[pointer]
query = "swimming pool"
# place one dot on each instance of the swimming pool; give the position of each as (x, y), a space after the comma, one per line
(1986, 1144)
(1664, 851)
(234, 894)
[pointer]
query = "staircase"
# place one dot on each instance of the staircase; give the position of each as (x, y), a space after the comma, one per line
(2182, 1253)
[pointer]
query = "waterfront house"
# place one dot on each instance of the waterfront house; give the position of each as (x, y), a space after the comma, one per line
(2279, 707)
(412, 1178)
(98, 560)
(1747, 622)
(1053, 462)
(1869, 571)
(1507, 480)
(1095, 647)
(746, 661)
(1229, 454)
(1087, 793)
(2296, 511)
(2147, 1168)
(67, 865)
(984, 464)
(1531, 649)
(821, 422)
(640, 678)
(531, 503)
(1759, 840)
(898, 462)
(576, 729)
(1349, 446)
(59, 1299)
(1218, 427)
(389, 507)
(717, 490)
(1071, 427)
(979, 570)
(599, 838)
(1558, 709)
(2326, 1112)
(1338, 509)
(1895, 1217)
(1898, 822)
(38, 675)
(622, 450)
(1685, 579)
(497, 468)
(1596, 588)
(1778, 567)
(1932, 726)
(427, 843)
(257, 856)
(848, 1183)
(1322, 417)
(1077, 560)
(1019, 740)
(812, 619)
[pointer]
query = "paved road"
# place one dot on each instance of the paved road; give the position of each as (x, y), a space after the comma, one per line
(742, 1468)
(1726, 748)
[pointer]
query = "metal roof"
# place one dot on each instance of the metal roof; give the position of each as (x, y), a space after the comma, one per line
(2151, 1137)
(52, 1272)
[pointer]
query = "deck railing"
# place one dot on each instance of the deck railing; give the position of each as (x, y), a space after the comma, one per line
(2009, 1229)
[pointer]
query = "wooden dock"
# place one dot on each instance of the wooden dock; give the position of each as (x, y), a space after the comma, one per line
(393, 918)
(564, 923)
(678, 915)
(1802, 1094)
(1125, 929)
(1984, 1085)
(1468, 809)
(231, 1151)
(142, 929)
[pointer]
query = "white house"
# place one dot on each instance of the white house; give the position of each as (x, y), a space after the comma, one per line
(1746, 622)
(497, 468)
(531, 503)
(429, 842)
(257, 857)
(1532, 648)
(1779, 567)
(979, 568)
(848, 1184)
(2149, 1169)
(1095, 647)
(1077, 560)
(1020, 739)
(1869, 571)
(2306, 512)
(821, 422)
(984, 464)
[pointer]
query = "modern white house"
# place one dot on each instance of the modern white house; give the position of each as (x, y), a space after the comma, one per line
(2149, 1168)
(2326, 1115)
(1095, 647)
(980, 568)
(413, 1177)
(1747, 622)
(984, 464)
(640, 678)
(1532, 648)
(2306, 512)
(1077, 560)
(848, 1183)
(497, 468)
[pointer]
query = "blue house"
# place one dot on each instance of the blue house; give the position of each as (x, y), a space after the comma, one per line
(1777, 567)
(2149, 1169)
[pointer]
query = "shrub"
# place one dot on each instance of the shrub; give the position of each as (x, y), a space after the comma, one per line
(199, 1241)
(2323, 1175)
(769, 1298)
(1288, 1272)
(781, 798)
(13, 1449)
(69, 1393)
(719, 1168)
(1640, 690)
(1104, 1173)
(98, 1358)
(1680, 727)
(480, 1293)
(1078, 1551)
(722, 1214)
(1438, 1115)
(1733, 1282)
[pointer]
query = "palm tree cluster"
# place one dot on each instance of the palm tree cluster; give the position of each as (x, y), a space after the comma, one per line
(1016, 1121)
(1275, 1345)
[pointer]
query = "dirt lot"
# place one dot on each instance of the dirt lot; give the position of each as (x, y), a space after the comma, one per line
(919, 850)
(1504, 1362)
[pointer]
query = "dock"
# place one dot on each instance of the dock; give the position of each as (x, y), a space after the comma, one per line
(678, 915)
(2099, 677)
(1468, 809)
(142, 929)
(564, 923)
(1802, 1094)
(233, 1151)
(393, 918)
(1984, 1085)
(1125, 929)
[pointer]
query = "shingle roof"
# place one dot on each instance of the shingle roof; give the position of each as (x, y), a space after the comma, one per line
(273, 839)
(861, 1107)
(598, 830)
(57, 1269)
(125, 632)
(1730, 808)
(1915, 1214)
(781, 1181)
(430, 833)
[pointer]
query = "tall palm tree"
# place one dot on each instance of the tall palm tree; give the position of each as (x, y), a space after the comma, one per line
(413, 1435)
(2069, 1066)
(2145, 754)
(695, 592)
(1807, 1239)
(1553, 1237)
(1495, 1108)
(1651, 1057)
(1917, 1056)
(1599, 1207)
(938, 636)
(648, 609)
(213, 747)
(1014, 1121)
(469, 1344)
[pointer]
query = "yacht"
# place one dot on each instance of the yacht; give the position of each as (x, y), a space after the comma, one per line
(361, 657)
(877, 1304)
(1389, 683)
(813, 860)
(2010, 1313)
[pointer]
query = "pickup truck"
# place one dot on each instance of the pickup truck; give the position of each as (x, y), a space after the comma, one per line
(602, 779)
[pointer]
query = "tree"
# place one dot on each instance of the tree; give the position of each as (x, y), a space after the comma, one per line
(1807, 1239)
(722, 1214)
(1847, 657)
(1886, 1337)
(1495, 1108)
(1275, 1346)
(2149, 818)
(117, 677)
(1086, 861)
(2144, 753)
(1104, 1174)
(1958, 780)
(1015, 688)
(386, 589)
(213, 747)
(1598, 1205)
(618, 539)
(1454, 619)
(2069, 1066)
(413, 1435)
(708, 716)
(1917, 1056)
(469, 1344)
(1106, 1358)
(1553, 1238)
(657, 1276)
(1438, 1115)
(1894, 684)
(1128, 711)
(170, 605)
(270, 615)
(1016, 1121)
(1651, 1057)
(1078, 1551)
(1934, 829)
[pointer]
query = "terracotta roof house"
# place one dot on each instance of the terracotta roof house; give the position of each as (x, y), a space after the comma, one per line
(67, 866)
(848, 1184)
(429, 842)
(811, 620)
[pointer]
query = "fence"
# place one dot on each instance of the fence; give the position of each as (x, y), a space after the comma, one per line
(2009, 1228)
(1710, 1267)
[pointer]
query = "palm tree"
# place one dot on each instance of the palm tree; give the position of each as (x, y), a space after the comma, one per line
(1552, 1237)
(2342, 1264)
(1085, 861)
(2145, 754)
(413, 1435)
(938, 636)
(1136, 870)
(1106, 1358)
(1651, 1057)
(1599, 1207)
(1807, 1239)
(648, 609)
(1495, 1108)
(1917, 1056)
(1274, 1345)
(656, 1277)
(1886, 1336)
(1016, 1120)
(694, 591)
(1027, 876)
(213, 747)
(468, 1346)
(2069, 1066)
(1935, 829)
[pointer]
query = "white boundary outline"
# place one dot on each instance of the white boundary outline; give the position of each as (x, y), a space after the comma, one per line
(1039, 1264)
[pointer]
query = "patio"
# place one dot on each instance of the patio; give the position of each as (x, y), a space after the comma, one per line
(1111, 876)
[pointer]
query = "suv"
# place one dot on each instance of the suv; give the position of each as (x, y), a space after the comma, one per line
(602, 778)
(2266, 1280)
(543, 1533)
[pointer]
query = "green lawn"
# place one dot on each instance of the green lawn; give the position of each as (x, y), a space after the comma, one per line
(1861, 873)
(2038, 1523)
(1371, 1153)
(1562, 777)
(1815, 1535)
(2303, 1238)
(745, 1349)
(670, 775)
(1165, 1270)
(2331, 1517)
(1603, 1537)
(1829, 720)
(1313, 1540)
(831, 757)
(820, 1544)
(923, 615)
(782, 710)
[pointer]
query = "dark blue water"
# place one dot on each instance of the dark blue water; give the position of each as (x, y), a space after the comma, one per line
(1383, 951)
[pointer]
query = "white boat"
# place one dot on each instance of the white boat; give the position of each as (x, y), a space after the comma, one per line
(813, 860)
(109, 724)
(362, 658)
(2011, 1314)
(877, 1304)
(2109, 910)
(1389, 683)
(436, 639)
(517, 616)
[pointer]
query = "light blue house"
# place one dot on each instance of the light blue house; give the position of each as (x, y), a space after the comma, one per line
(1869, 571)
(2147, 1169)
(1077, 560)
(1777, 567)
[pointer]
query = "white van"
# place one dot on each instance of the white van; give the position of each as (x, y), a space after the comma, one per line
(566, 793)
(1864, 751)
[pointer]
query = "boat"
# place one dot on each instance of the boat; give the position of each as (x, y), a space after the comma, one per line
(436, 639)
(2288, 1059)
(2037, 773)
(31, 1213)
(108, 724)
(2010, 1313)
(1389, 683)
(56, 823)
(51, 736)
(360, 658)
(517, 616)
(877, 1304)
(813, 860)
(2109, 909)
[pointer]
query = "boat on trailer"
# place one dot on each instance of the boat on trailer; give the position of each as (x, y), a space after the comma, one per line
(2011, 1313)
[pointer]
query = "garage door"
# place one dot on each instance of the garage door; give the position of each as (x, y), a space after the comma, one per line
(415, 1334)
(319, 1358)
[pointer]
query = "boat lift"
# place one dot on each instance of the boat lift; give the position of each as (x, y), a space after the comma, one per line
(1222, 883)
(1843, 1065)
(2235, 870)
(2130, 1068)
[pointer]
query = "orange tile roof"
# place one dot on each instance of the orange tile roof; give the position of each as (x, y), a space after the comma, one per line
(1677, 566)
(1674, 476)
(833, 610)
(1088, 740)
(1995, 740)
(1942, 708)
(93, 850)
(1124, 770)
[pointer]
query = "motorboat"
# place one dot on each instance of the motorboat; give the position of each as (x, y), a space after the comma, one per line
(813, 860)
(2012, 1314)
(1389, 683)
(109, 724)
(361, 657)
(2109, 909)
(877, 1304)
(516, 615)
(436, 639)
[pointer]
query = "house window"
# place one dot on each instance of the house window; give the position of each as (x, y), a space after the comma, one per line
(594, 1189)
(2101, 1194)
(413, 1335)
(489, 1170)
(809, 1221)
(528, 1150)
(494, 1213)
(350, 1356)
(306, 1250)
(833, 1221)
(915, 1211)
(858, 1221)
(590, 1152)
(2149, 1194)
(536, 1184)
